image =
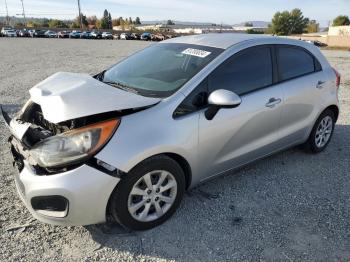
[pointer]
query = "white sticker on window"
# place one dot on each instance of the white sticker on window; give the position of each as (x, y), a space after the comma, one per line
(196, 52)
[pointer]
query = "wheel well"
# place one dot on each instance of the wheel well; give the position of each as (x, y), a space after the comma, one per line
(184, 165)
(335, 110)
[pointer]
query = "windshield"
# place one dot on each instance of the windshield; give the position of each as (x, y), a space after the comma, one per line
(161, 69)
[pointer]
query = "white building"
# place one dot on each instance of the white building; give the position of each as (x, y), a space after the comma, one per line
(339, 30)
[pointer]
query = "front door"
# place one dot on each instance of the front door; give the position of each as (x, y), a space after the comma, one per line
(239, 135)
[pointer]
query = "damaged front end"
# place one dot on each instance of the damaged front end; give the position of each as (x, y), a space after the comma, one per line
(50, 148)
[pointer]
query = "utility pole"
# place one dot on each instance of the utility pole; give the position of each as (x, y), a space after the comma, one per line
(7, 14)
(80, 17)
(24, 15)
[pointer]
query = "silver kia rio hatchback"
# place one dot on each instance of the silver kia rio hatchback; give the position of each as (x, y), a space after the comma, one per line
(127, 142)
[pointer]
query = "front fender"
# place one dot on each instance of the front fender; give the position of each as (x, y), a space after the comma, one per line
(148, 133)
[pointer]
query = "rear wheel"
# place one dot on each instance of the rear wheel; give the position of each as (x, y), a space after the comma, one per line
(149, 194)
(322, 132)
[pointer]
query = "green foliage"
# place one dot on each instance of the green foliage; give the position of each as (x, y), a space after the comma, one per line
(313, 27)
(76, 22)
(106, 20)
(170, 22)
(92, 20)
(341, 20)
(45, 23)
(287, 23)
(137, 21)
(32, 24)
(248, 24)
(252, 31)
(55, 23)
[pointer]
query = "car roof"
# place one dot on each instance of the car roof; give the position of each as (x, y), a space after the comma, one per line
(219, 40)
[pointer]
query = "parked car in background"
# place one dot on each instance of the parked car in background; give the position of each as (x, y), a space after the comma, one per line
(107, 35)
(11, 33)
(158, 37)
(50, 34)
(116, 36)
(96, 35)
(75, 34)
(146, 36)
(24, 33)
(319, 43)
(4, 29)
(38, 33)
(86, 35)
(125, 36)
(63, 34)
(136, 36)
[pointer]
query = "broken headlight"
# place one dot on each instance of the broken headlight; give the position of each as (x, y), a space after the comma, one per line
(74, 145)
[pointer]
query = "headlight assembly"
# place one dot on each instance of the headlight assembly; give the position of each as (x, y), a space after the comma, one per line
(74, 145)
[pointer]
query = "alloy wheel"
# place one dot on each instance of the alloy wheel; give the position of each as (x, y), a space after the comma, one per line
(152, 196)
(324, 131)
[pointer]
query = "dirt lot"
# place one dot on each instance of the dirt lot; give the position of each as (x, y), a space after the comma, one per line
(289, 207)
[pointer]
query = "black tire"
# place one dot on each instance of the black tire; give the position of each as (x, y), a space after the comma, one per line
(310, 145)
(118, 203)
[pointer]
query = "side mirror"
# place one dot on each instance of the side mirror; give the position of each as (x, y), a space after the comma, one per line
(221, 99)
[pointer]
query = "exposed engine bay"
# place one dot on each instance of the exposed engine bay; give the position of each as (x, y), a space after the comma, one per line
(29, 127)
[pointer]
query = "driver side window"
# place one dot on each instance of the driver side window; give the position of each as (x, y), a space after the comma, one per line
(244, 72)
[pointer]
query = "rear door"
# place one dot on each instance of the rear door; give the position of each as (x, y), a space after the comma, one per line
(302, 81)
(239, 135)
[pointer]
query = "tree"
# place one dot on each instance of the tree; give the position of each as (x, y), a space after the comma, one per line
(98, 24)
(170, 22)
(32, 24)
(286, 23)
(55, 23)
(116, 22)
(341, 20)
(106, 20)
(92, 20)
(248, 24)
(253, 31)
(76, 22)
(313, 27)
(110, 24)
(44, 23)
(298, 22)
(137, 21)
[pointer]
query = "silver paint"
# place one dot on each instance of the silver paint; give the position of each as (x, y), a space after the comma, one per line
(266, 121)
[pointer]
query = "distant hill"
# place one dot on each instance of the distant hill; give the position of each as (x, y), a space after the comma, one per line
(255, 23)
(153, 22)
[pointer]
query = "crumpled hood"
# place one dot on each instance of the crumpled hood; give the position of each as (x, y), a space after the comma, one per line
(66, 96)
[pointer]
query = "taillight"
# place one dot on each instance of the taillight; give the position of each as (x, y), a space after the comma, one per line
(337, 81)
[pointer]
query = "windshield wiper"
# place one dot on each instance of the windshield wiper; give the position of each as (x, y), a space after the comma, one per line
(123, 87)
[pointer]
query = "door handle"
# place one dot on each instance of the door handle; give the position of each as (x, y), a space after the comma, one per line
(320, 84)
(273, 101)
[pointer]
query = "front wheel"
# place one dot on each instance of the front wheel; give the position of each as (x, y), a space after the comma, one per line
(321, 133)
(149, 194)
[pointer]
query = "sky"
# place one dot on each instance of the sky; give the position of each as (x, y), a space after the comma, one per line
(214, 11)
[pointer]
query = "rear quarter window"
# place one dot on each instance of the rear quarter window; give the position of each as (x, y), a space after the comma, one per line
(294, 61)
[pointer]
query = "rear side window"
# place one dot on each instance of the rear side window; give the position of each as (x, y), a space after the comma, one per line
(244, 72)
(294, 62)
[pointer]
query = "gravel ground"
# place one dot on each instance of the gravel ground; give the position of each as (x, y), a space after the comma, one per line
(289, 207)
